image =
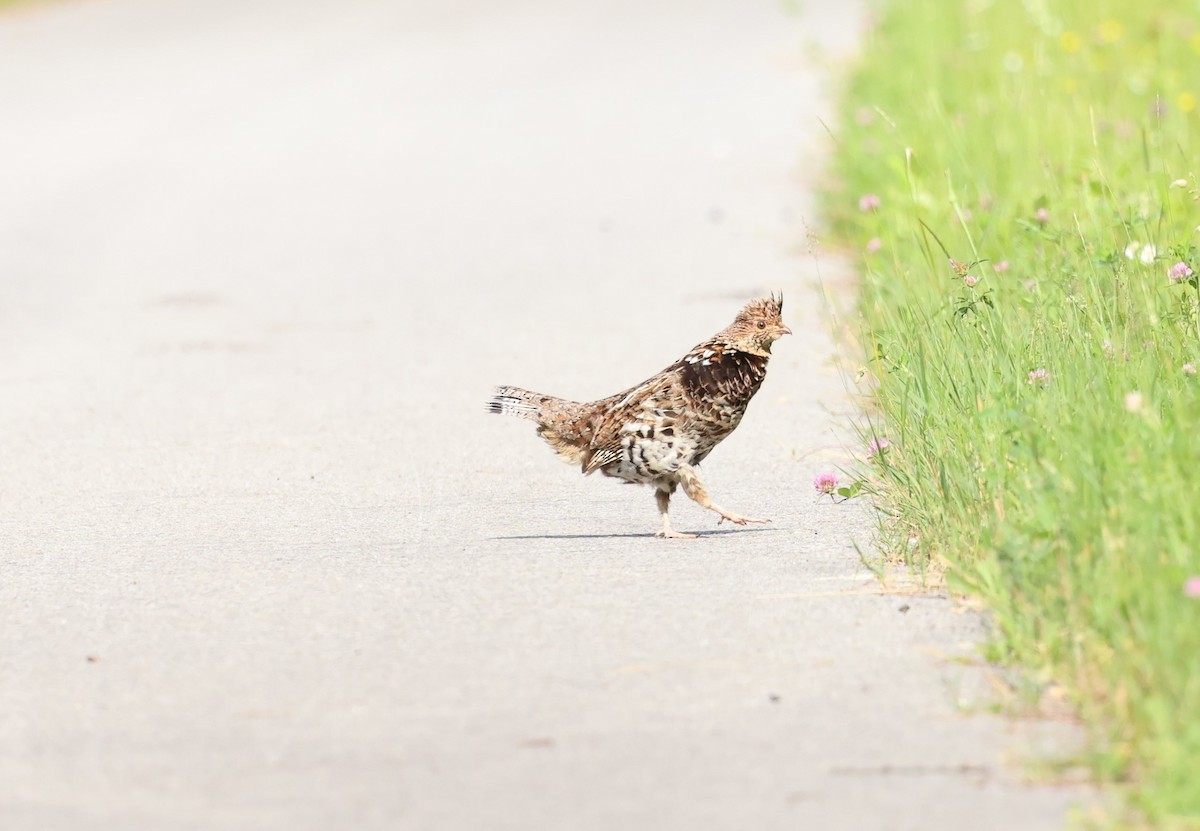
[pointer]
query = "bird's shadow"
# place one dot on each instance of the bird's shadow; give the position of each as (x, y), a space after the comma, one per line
(642, 536)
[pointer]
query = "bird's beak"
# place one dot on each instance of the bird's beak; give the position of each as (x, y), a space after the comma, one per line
(785, 331)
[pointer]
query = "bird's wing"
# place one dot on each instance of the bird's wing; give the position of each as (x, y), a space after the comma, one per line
(596, 458)
(704, 372)
(625, 412)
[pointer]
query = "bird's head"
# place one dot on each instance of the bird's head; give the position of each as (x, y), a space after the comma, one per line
(758, 325)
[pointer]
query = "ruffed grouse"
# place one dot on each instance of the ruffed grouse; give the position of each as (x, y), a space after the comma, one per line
(657, 432)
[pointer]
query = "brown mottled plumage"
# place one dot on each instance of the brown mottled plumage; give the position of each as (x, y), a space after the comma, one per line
(658, 432)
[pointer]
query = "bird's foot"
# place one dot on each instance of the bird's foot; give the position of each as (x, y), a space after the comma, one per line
(668, 534)
(740, 520)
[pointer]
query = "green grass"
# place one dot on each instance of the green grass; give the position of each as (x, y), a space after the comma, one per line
(1066, 501)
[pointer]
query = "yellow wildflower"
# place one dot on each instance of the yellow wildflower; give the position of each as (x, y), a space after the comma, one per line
(1186, 101)
(1195, 41)
(1070, 41)
(1111, 31)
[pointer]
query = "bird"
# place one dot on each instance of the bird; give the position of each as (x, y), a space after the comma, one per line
(658, 432)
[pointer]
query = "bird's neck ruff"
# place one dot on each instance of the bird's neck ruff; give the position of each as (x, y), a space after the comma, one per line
(719, 368)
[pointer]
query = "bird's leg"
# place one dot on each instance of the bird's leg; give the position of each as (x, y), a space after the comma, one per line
(689, 477)
(663, 498)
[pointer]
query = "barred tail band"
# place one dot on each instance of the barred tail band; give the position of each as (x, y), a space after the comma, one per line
(513, 401)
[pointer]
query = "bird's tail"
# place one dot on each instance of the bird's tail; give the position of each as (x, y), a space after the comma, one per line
(515, 401)
(563, 424)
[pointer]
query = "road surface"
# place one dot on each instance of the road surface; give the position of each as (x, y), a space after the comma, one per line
(266, 563)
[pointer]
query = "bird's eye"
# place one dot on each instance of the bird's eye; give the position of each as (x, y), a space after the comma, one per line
(762, 325)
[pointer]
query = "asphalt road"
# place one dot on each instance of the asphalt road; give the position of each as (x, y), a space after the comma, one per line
(264, 560)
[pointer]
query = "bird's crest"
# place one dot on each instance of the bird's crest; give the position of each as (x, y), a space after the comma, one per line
(770, 307)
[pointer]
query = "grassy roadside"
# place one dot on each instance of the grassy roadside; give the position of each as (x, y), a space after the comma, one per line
(1021, 179)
